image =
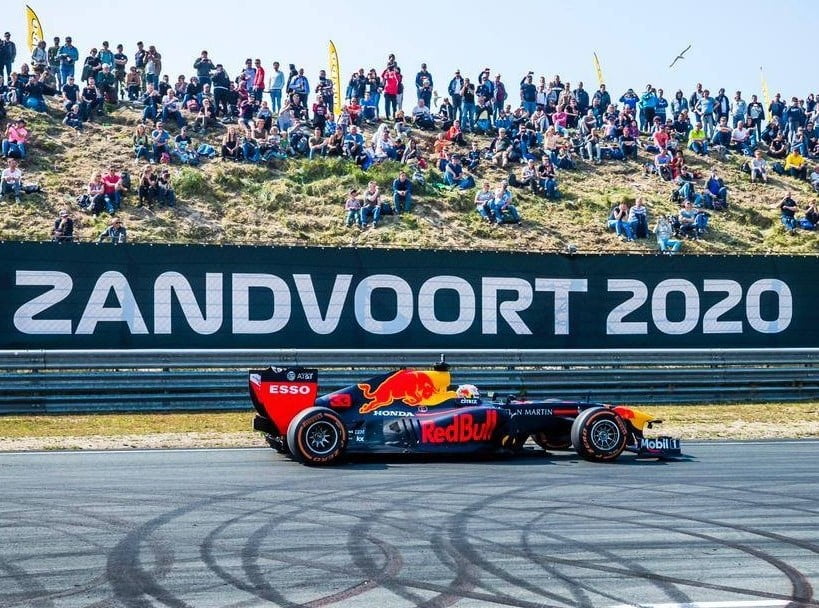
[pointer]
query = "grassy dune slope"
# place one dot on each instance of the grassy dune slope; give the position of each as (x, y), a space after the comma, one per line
(301, 201)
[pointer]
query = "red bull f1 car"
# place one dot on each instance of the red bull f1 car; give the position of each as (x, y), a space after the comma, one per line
(416, 411)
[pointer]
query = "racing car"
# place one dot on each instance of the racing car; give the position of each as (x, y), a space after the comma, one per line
(416, 411)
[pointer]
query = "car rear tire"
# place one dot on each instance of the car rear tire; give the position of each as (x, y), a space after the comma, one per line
(317, 436)
(550, 442)
(599, 435)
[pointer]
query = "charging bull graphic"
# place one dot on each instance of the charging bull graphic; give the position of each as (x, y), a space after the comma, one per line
(411, 387)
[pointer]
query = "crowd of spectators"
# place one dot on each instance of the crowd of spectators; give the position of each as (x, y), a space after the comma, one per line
(265, 115)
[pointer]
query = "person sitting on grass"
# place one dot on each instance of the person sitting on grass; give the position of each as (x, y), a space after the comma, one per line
(759, 167)
(352, 207)
(231, 148)
(502, 208)
(159, 142)
(618, 220)
(664, 232)
(63, 228)
(72, 117)
(402, 193)
(372, 207)
(697, 140)
(795, 165)
(113, 189)
(115, 233)
(165, 192)
(148, 189)
(455, 176)
(787, 212)
(483, 202)
(11, 180)
(14, 143)
(421, 116)
(318, 143)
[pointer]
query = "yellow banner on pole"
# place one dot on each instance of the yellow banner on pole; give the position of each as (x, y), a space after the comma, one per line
(335, 75)
(34, 29)
(765, 95)
(599, 70)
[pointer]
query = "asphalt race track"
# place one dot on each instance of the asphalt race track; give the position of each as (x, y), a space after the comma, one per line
(736, 526)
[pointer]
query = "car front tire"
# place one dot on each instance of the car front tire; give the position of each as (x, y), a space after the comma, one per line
(599, 435)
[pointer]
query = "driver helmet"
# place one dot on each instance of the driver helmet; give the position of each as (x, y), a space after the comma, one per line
(468, 391)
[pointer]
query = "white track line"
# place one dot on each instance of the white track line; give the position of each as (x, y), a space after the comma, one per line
(725, 604)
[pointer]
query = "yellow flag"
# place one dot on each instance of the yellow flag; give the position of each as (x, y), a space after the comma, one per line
(335, 75)
(599, 70)
(765, 95)
(35, 30)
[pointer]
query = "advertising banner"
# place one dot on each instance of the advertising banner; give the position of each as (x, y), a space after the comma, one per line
(175, 296)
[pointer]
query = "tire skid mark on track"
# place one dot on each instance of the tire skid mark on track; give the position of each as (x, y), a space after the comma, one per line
(32, 593)
(669, 589)
(802, 591)
(130, 582)
(461, 539)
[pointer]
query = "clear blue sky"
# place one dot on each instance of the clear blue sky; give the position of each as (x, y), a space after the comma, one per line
(636, 42)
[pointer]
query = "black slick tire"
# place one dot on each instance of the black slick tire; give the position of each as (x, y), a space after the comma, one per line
(317, 436)
(599, 435)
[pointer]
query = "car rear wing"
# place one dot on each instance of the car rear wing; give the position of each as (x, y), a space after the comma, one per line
(279, 393)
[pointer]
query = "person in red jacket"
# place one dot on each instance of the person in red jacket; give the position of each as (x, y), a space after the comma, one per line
(391, 79)
(258, 82)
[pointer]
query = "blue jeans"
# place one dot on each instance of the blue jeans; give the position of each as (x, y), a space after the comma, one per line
(550, 187)
(112, 202)
(141, 152)
(368, 212)
(622, 229)
(149, 113)
(8, 146)
(708, 124)
(376, 97)
(65, 72)
(38, 105)
(8, 67)
(668, 245)
(177, 116)
(353, 215)
(152, 79)
(402, 203)
(13, 188)
(468, 119)
(485, 212)
(503, 212)
(529, 106)
(699, 147)
(275, 100)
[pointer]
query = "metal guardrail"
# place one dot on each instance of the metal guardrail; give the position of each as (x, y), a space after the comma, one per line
(63, 381)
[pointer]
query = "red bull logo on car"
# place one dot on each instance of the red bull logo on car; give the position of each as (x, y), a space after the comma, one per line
(461, 429)
(413, 388)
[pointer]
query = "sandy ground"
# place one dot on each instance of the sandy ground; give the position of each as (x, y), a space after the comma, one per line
(700, 431)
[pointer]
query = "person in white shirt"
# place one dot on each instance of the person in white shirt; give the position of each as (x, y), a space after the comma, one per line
(11, 180)
(759, 167)
(275, 86)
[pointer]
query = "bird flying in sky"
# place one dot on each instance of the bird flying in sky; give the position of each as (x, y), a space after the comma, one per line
(680, 56)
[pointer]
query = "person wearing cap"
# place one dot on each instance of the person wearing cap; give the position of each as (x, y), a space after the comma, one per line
(353, 208)
(14, 143)
(68, 56)
(107, 84)
(8, 53)
(63, 228)
(90, 101)
(115, 233)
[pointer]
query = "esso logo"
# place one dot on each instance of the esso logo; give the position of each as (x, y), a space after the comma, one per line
(289, 389)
